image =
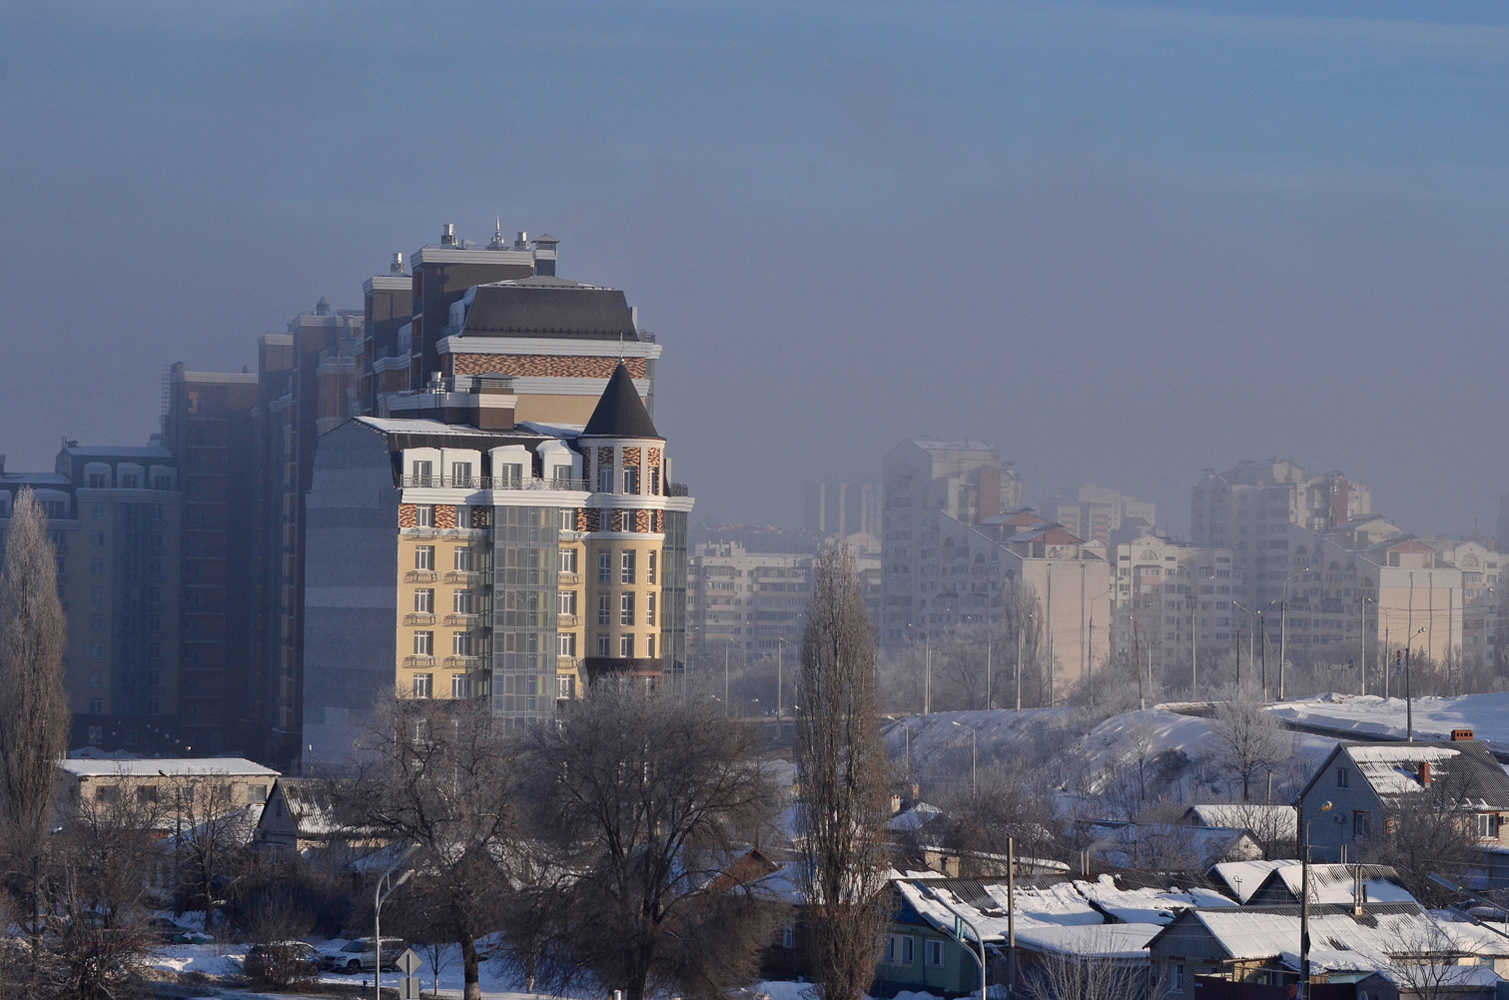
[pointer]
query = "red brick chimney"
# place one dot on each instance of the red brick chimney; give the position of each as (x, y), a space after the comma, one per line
(1425, 773)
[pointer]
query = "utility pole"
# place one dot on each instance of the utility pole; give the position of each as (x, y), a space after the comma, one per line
(1021, 636)
(1011, 918)
(1283, 641)
(1137, 662)
(989, 695)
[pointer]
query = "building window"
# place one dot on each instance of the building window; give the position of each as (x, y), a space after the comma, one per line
(424, 685)
(565, 688)
(98, 481)
(424, 515)
(626, 574)
(626, 609)
(1343, 777)
(461, 474)
(96, 707)
(424, 557)
(1487, 826)
(463, 560)
(1362, 824)
(602, 644)
(97, 539)
(649, 573)
(461, 686)
(788, 937)
(96, 651)
(626, 645)
(96, 679)
(461, 644)
(509, 476)
(424, 602)
(1176, 977)
(565, 644)
(605, 567)
(568, 515)
(605, 609)
(97, 567)
(605, 479)
(649, 646)
(566, 560)
(631, 479)
(934, 953)
(461, 602)
(649, 608)
(423, 473)
(424, 643)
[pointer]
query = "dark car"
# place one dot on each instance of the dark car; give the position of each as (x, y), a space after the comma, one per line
(282, 961)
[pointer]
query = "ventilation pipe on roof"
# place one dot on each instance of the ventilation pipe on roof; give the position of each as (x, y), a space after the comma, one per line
(521, 242)
(448, 235)
(397, 266)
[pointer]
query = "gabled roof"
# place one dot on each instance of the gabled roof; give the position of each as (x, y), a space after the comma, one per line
(620, 412)
(544, 306)
(1281, 820)
(1393, 770)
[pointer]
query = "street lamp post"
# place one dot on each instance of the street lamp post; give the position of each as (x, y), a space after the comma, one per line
(379, 897)
(1409, 701)
(1264, 676)
(974, 756)
(1303, 993)
(927, 676)
(779, 664)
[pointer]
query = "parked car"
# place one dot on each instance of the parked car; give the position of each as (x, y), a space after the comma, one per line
(361, 955)
(282, 961)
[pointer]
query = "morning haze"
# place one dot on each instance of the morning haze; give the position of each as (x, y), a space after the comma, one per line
(1122, 242)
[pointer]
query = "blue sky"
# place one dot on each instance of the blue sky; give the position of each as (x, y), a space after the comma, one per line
(1123, 241)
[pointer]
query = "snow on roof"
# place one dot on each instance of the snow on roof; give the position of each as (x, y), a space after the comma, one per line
(1333, 883)
(1243, 877)
(420, 425)
(1077, 917)
(1341, 941)
(1281, 821)
(176, 767)
(1442, 977)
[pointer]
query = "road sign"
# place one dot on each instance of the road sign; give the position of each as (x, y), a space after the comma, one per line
(408, 988)
(408, 963)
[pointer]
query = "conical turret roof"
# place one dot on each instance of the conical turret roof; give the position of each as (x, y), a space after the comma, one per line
(620, 412)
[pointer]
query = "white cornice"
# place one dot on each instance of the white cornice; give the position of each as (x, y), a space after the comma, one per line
(539, 385)
(456, 255)
(554, 346)
(387, 283)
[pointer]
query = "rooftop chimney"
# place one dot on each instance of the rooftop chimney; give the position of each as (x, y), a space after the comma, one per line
(397, 266)
(1425, 773)
(1461, 735)
(448, 235)
(522, 241)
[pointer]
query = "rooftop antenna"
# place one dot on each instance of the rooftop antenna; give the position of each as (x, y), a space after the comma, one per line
(497, 243)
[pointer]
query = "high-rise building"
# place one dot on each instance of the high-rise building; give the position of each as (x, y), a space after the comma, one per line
(1097, 513)
(455, 552)
(306, 385)
(121, 593)
(1249, 507)
(208, 429)
(1171, 607)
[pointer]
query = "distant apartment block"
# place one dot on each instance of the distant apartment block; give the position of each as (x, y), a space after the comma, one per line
(1096, 513)
(1171, 605)
(1252, 504)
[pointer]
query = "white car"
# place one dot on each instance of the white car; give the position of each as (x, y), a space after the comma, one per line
(361, 955)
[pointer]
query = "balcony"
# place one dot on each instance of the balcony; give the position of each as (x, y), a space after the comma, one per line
(677, 490)
(465, 621)
(418, 618)
(463, 662)
(568, 621)
(418, 662)
(420, 576)
(569, 579)
(490, 483)
(462, 576)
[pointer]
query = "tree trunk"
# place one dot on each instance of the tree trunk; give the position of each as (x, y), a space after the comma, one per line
(469, 969)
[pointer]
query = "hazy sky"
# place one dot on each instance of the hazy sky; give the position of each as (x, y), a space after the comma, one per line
(1122, 241)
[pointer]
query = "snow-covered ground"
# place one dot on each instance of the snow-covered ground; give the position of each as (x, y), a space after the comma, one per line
(1487, 715)
(497, 983)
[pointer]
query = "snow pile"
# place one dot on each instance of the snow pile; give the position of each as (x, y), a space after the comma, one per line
(1369, 717)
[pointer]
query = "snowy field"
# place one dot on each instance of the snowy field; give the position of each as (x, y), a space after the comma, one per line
(1487, 715)
(225, 960)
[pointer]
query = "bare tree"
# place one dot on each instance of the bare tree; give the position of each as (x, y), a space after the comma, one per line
(1428, 828)
(212, 835)
(1248, 741)
(1423, 962)
(34, 724)
(842, 771)
(96, 876)
(440, 776)
(1059, 976)
(649, 799)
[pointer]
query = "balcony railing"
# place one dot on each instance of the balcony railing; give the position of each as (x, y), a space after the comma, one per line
(569, 579)
(568, 621)
(462, 619)
(418, 618)
(463, 662)
(419, 661)
(677, 490)
(462, 576)
(490, 483)
(420, 576)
